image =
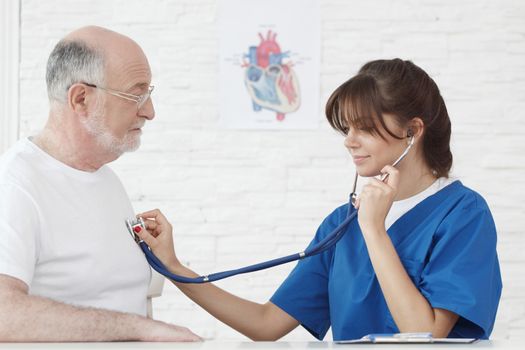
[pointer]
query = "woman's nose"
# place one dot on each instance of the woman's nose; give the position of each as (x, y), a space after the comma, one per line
(350, 140)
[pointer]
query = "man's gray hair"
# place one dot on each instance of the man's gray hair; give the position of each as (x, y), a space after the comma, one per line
(70, 62)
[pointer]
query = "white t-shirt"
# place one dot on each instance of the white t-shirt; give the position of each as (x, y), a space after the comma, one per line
(400, 208)
(63, 232)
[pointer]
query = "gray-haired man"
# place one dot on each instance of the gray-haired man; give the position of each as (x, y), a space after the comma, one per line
(68, 269)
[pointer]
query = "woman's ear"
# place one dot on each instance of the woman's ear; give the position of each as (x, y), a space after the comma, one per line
(416, 127)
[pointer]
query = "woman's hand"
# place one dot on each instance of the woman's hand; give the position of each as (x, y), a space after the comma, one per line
(159, 237)
(376, 199)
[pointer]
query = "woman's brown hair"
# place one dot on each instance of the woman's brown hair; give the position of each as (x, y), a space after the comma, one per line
(399, 88)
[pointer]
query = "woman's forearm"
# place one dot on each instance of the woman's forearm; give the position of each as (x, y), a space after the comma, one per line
(409, 308)
(254, 320)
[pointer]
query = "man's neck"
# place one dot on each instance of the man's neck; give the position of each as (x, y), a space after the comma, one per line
(76, 149)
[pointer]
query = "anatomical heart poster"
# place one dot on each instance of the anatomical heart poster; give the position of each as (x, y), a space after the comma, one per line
(269, 64)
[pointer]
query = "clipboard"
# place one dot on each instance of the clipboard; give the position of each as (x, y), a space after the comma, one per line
(405, 338)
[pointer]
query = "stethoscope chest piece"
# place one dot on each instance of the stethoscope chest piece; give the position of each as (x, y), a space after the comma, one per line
(135, 225)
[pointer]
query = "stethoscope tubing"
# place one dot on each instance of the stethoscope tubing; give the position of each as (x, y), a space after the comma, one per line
(328, 242)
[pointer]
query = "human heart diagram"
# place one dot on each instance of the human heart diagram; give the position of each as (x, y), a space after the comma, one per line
(271, 82)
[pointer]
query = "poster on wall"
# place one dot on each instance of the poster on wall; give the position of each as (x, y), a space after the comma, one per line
(269, 64)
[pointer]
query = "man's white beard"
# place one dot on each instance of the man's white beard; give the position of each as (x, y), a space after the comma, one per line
(94, 125)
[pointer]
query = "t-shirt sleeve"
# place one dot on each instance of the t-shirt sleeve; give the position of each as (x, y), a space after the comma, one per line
(304, 293)
(18, 233)
(462, 274)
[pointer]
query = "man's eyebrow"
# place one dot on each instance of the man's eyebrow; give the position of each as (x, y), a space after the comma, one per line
(141, 86)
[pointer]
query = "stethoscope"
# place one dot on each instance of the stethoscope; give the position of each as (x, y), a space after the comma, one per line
(329, 241)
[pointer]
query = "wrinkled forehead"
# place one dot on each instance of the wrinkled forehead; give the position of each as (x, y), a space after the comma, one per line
(126, 66)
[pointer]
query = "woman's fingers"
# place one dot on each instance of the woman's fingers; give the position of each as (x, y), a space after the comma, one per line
(388, 186)
(147, 237)
(156, 215)
(152, 226)
(158, 236)
(393, 176)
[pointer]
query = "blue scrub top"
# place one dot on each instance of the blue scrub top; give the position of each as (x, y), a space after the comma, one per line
(447, 244)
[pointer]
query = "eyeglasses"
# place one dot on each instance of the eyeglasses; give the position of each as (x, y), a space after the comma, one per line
(139, 99)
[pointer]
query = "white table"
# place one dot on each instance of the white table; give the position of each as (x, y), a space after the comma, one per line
(218, 345)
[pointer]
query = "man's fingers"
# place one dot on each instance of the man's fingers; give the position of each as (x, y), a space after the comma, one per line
(188, 335)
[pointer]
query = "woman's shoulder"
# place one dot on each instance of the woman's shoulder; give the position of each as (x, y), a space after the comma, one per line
(464, 211)
(340, 213)
(333, 220)
(465, 197)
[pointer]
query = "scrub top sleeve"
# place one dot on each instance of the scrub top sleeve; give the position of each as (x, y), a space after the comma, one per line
(462, 274)
(18, 233)
(304, 293)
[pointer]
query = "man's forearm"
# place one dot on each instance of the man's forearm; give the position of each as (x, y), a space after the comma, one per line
(25, 318)
(31, 318)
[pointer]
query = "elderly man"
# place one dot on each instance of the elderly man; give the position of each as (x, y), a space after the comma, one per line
(69, 270)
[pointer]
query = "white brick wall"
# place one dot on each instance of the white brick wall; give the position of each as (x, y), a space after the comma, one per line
(238, 197)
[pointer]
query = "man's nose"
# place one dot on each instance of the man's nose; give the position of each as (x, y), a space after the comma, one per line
(147, 110)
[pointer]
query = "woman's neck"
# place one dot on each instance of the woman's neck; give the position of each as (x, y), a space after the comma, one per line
(414, 178)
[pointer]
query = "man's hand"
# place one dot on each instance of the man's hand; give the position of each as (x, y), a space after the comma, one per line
(157, 331)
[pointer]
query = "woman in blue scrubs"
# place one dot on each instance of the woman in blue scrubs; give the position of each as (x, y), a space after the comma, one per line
(421, 257)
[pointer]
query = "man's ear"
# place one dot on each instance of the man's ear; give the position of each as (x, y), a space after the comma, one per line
(77, 96)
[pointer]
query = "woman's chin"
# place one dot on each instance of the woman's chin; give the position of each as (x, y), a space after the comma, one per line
(368, 172)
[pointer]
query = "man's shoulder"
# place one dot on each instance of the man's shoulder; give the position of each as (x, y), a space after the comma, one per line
(16, 164)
